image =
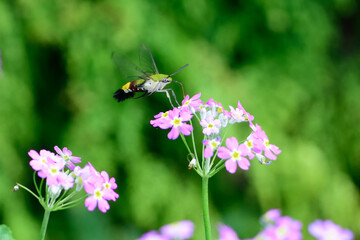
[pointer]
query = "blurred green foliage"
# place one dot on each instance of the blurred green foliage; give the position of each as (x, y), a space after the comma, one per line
(295, 65)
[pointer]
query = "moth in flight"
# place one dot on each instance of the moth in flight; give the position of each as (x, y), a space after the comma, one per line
(146, 80)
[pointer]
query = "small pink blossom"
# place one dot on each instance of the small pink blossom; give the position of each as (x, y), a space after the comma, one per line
(178, 230)
(177, 122)
(40, 160)
(235, 154)
(192, 103)
(261, 143)
(210, 125)
(227, 233)
(327, 230)
(211, 146)
(66, 154)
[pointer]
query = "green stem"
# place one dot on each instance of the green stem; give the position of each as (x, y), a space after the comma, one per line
(44, 224)
(205, 203)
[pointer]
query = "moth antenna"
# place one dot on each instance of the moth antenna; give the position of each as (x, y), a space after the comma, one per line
(179, 70)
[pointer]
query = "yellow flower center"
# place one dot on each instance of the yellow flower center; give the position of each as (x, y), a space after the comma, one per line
(235, 155)
(267, 143)
(249, 144)
(97, 194)
(176, 122)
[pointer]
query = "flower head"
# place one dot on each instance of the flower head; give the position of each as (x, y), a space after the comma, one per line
(51, 167)
(327, 230)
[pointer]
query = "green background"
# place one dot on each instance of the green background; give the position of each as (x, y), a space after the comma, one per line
(295, 65)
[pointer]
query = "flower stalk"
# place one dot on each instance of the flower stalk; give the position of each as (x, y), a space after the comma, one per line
(44, 224)
(205, 205)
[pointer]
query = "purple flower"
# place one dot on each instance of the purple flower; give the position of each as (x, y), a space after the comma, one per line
(327, 230)
(178, 230)
(227, 233)
(66, 154)
(176, 121)
(193, 103)
(235, 154)
(153, 235)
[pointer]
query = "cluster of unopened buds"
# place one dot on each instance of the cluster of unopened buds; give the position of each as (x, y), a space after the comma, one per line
(62, 175)
(215, 120)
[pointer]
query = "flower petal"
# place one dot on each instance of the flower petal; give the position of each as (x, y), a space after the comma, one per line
(230, 166)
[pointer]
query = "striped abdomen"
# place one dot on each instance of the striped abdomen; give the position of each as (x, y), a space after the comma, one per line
(129, 90)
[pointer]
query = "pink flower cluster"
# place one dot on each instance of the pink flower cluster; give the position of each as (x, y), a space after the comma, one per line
(181, 230)
(50, 166)
(277, 227)
(213, 119)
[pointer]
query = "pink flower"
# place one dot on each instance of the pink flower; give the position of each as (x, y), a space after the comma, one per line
(235, 154)
(53, 172)
(284, 228)
(98, 199)
(176, 121)
(212, 145)
(193, 104)
(40, 161)
(160, 119)
(327, 230)
(153, 235)
(109, 185)
(66, 154)
(227, 233)
(210, 125)
(271, 216)
(261, 143)
(178, 230)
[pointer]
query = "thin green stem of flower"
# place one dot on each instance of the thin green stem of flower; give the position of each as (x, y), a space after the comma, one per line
(31, 192)
(193, 141)
(44, 224)
(205, 203)
(217, 168)
(66, 198)
(202, 158)
(36, 186)
(71, 204)
(184, 140)
(198, 169)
